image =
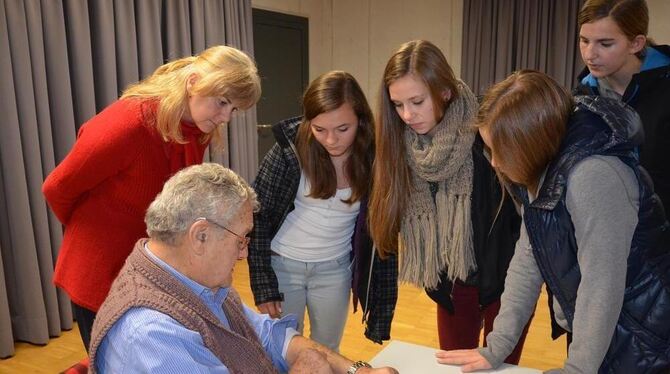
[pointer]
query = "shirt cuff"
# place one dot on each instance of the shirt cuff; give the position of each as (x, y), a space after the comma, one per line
(283, 330)
(290, 333)
(487, 352)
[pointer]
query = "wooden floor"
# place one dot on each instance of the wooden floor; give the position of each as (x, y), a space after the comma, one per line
(414, 322)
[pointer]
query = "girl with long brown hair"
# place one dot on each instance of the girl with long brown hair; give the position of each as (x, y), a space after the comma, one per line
(313, 186)
(435, 200)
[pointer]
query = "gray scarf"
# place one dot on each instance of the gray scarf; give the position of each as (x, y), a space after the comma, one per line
(436, 234)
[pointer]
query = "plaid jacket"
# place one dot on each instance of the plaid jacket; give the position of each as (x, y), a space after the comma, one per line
(375, 287)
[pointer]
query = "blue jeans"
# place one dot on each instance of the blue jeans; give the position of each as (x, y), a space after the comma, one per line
(321, 287)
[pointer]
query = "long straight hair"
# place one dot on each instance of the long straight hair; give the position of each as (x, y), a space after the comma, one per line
(525, 117)
(324, 94)
(222, 71)
(391, 175)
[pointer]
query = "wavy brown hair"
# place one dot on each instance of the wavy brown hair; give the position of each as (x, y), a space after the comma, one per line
(222, 71)
(632, 16)
(391, 175)
(525, 117)
(324, 94)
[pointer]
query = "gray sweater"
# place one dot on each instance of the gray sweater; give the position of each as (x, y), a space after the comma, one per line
(602, 197)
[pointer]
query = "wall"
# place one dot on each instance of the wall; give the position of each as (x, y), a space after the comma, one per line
(319, 13)
(367, 32)
(659, 24)
(359, 36)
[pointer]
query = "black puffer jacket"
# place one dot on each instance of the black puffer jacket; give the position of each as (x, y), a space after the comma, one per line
(649, 94)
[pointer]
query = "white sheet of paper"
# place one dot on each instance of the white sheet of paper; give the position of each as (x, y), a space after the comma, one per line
(410, 358)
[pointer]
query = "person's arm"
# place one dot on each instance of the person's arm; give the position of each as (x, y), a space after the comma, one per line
(269, 184)
(602, 198)
(147, 341)
(307, 356)
(517, 303)
(105, 146)
(287, 349)
(273, 334)
(383, 298)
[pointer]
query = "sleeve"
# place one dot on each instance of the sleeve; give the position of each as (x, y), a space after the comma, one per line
(268, 184)
(381, 306)
(147, 341)
(517, 303)
(274, 335)
(374, 281)
(106, 144)
(605, 219)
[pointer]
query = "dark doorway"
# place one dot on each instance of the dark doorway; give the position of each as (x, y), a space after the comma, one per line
(281, 52)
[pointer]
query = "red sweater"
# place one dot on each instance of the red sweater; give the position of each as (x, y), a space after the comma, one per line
(102, 189)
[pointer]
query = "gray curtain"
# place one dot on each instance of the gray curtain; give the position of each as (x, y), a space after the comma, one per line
(60, 63)
(502, 36)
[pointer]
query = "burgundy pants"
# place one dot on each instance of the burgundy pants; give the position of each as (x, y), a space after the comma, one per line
(461, 330)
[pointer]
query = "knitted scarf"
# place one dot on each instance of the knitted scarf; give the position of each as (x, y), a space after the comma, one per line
(436, 232)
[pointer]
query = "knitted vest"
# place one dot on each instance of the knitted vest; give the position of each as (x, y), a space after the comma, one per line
(143, 283)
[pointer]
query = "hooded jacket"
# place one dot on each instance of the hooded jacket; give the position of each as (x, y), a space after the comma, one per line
(649, 94)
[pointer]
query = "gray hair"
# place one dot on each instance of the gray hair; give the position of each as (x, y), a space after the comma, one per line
(207, 190)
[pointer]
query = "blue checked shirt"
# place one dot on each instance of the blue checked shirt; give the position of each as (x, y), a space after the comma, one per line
(144, 340)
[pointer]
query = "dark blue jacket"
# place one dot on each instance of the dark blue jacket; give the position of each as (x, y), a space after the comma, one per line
(641, 341)
(649, 94)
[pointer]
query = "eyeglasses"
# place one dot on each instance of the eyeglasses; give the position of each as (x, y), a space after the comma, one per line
(242, 241)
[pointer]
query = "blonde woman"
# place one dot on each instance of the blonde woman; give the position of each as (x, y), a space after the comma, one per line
(124, 154)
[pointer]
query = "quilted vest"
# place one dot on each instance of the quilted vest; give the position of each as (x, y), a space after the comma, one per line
(641, 341)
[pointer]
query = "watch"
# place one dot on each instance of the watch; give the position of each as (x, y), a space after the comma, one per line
(357, 365)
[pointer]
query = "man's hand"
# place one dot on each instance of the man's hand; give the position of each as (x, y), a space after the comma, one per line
(306, 356)
(470, 359)
(273, 308)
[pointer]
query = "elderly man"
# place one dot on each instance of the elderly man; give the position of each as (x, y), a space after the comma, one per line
(172, 309)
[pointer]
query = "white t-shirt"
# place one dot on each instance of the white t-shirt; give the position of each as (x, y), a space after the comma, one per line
(317, 229)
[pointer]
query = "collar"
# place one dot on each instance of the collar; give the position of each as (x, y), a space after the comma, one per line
(197, 288)
(190, 130)
(653, 59)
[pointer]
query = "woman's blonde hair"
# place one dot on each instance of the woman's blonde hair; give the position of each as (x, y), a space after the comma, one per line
(391, 175)
(222, 71)
(525, 116)
(327, 93)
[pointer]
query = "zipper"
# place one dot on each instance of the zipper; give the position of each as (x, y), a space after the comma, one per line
(367, 289)
(632, 96)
